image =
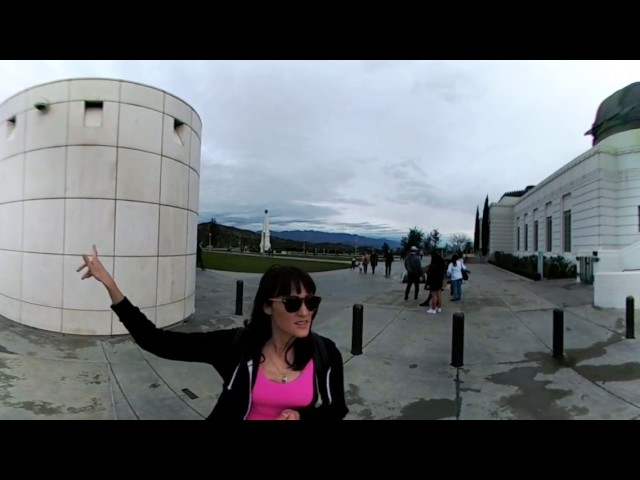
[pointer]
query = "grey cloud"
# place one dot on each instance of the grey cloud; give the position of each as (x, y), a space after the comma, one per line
(355, 201)
(367, 146)
(381, 229)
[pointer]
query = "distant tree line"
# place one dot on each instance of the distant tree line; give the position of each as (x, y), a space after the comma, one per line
(416, 237)
(222, 236)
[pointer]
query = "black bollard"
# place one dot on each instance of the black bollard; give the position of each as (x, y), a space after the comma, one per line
(558, 333)
(239, 295)
(356, 329)
(457, 340)
(630, 321)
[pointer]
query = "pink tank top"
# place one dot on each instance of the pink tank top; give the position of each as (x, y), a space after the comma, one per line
(269, 398)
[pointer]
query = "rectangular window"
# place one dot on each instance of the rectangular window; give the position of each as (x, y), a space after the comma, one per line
(534, 223)
(548, 233)
(639, 219)
(567, 230)
(526, 237)
(518, 239)
(93, 114)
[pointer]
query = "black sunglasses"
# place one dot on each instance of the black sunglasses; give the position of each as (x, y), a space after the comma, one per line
(293, 303)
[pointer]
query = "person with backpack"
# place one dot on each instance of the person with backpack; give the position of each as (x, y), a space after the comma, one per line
(457, 271)
(273, 368)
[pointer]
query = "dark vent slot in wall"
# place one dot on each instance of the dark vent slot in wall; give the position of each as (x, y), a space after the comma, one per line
(11, 126)
(179, 131)
(93, 114)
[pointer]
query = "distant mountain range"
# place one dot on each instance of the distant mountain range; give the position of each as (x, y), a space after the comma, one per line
(289, 240)
(314, 236)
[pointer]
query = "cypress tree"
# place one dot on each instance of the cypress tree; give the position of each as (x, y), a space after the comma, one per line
(485, 227)
(476, 233)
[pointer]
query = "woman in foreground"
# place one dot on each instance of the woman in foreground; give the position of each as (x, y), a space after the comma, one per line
(273, 368)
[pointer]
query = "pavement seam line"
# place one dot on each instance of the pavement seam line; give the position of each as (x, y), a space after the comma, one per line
(115, 378)
(593, 322)
(377, 334)
(180, 397)
(515, 313)
(393, 319)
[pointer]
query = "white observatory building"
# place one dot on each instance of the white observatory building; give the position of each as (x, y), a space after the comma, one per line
(105, 162)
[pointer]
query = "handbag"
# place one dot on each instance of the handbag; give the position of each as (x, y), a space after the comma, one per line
(465, 274)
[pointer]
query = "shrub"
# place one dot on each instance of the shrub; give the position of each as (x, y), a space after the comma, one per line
(553, 267)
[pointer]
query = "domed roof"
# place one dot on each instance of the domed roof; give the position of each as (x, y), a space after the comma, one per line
(617, 113)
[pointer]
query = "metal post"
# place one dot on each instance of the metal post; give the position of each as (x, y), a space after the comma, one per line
(356, 329)
(457, 340)
(630, 320)
(558, 333)
(239, 296)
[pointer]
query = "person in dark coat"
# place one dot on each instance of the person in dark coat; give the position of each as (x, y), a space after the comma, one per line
(374, 262)
(199, 260)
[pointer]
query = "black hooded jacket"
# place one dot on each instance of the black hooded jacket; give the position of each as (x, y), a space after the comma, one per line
(223, 349)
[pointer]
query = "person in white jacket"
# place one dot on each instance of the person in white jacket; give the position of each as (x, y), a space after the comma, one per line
(454, 272)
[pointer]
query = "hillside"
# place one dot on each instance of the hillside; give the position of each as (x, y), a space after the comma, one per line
(340, 238)
(226, 236)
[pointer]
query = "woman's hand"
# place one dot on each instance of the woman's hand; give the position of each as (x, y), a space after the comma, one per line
(288, 414)
(96, 270)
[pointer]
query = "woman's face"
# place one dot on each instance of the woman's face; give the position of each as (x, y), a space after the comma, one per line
(295, 323)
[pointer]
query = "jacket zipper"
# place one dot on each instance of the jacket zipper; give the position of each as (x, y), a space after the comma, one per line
(233, 377)
(329, 387)
(250, 368)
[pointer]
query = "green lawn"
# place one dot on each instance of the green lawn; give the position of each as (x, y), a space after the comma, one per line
(231, 262)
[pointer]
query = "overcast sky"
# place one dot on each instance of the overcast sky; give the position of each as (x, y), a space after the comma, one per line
(367, 147)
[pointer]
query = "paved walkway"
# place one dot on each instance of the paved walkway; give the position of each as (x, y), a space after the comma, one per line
(403, 373)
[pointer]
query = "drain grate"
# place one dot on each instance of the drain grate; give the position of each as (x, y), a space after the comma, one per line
(189, 393)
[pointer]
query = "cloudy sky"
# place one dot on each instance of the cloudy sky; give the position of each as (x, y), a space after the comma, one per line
(367, 147)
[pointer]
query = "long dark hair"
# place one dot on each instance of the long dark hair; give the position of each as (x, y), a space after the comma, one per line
(278, 281)
(437, 262)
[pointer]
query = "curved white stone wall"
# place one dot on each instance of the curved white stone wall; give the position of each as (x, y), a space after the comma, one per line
(109, 162)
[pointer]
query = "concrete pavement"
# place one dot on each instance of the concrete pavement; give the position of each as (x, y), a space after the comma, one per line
(404, 371)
